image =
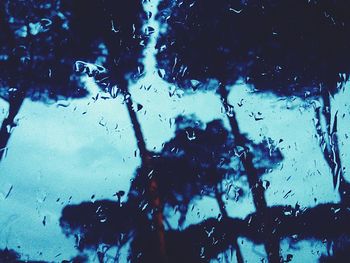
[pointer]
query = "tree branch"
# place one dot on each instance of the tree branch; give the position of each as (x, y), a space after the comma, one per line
(211, 237)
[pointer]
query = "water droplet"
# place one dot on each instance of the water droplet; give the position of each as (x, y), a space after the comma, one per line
(92, 70)
(161, 73)
(237, 11)
(191, 135)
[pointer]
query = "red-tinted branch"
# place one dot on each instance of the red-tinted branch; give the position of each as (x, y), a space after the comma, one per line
(146, 158)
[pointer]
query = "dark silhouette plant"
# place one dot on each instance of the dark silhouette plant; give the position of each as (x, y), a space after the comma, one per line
(36, 60)
(115, 40)
(197, 162)
(206, 45)
(303, 53)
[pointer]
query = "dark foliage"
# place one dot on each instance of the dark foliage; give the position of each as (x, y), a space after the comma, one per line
(36, 58)
(284, 222)
(43, 43)
(304, 47)
(195, 163)
(210, 44)
(202, 41)
(100, 222)
(109, 223)
(111, 33)
(9, 255)
(303, 52)
(43, 40)
(287, 47)
(194, 244)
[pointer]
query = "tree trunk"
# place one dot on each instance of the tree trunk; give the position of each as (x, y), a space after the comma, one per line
(224, 214)
(15, 102)
(146, 160)
(254, 182)
(331, 150)
(246, 158)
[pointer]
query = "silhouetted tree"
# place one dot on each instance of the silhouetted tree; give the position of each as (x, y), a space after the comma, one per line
(195, 163)
(117, 29)
(36, 60)
(302, 51)
(104, 224)
(194, 244)
(114, 38)
(104, 39)
(285, 222)
(100, 222)
(206, 44)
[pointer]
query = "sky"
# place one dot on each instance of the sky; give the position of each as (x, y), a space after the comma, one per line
(64, 152)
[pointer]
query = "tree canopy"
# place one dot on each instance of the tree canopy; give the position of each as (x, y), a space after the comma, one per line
(36, 58)
(182, 188)
(201, 160)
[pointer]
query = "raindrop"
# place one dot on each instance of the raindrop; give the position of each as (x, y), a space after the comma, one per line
(101, 216)
(92, 70)
(22, 31)
(114, 30)
(144, 206)
(161, 73)
(195, 83)
(34, 28)
(6, 191)
(63, 104)
(191, 135)
(45, 24)
(229, 110)
(114, 91)
(162, 48)
(202, 252)
(119, 193)
(149, 15)
(149, 30)
(150, 174)
(139, 106)
(237, 11)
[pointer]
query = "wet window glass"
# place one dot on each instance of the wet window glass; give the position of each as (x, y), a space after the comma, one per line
(174, 131)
